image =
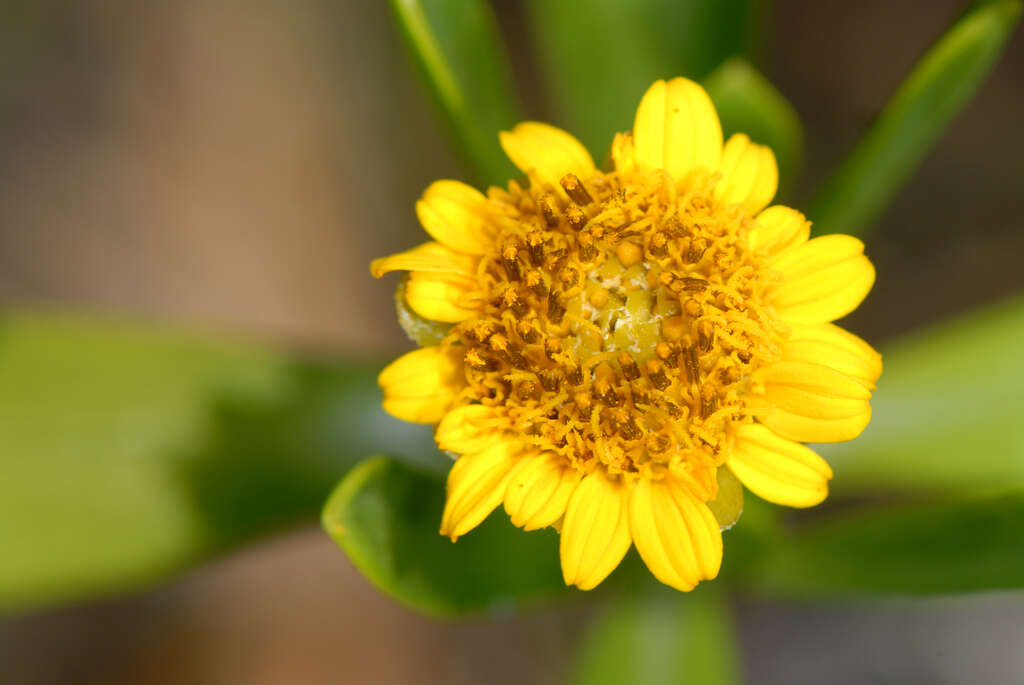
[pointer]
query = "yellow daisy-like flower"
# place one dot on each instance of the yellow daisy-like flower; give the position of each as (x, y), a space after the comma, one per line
(623, 341)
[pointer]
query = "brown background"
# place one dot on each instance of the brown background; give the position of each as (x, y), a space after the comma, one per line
(235, 165)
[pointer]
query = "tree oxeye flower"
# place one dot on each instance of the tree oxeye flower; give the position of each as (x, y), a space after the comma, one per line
(622, 342)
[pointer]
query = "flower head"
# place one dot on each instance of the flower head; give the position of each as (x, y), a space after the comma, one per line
(623, 340)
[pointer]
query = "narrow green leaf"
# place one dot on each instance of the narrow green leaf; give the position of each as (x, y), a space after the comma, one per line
(127, 453)
(600, 57)
(925, 103)
(748, 103)
(946, 413)
(936, 548)
(460, 54)
(386, 517)
(661, 637)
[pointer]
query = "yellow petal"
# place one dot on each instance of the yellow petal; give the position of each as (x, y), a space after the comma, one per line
(539, 490)
(441, 297)
(456, 215)
(595, 532)
(778, 470)
(675, 533)
(546, 154)
(676, 129)
(750, 175)
(476, 485)
(813, 403)
(778, 229)
(469, 428)
(831, 346)
(419, 386)
(822, 280)
(429, 257)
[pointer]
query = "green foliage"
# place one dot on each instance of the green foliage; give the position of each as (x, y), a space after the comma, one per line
(922, 549)
(386, 517)
(946, 413)
(127, 453)
(660, 637)
(748, 103)
(459, 53)
(939, 86)
(601, 56)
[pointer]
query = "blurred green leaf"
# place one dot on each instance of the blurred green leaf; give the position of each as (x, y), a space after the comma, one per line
(661, 637)
(939, 86)
(601, 56)
(933, 548)
(386, 517)
(946, 413)
(460, 54)
(128, 453)
(748, 103)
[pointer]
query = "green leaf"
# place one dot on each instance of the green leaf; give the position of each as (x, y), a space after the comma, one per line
(925, 103)
(386, 517)
(748, 103)
(459, 53)
(923, 549)
(946, 415)
(661, 637)
(600, 57)
(128, 453)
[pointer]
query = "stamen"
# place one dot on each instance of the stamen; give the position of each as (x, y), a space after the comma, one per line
(575, 190)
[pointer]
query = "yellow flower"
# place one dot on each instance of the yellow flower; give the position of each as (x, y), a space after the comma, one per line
(621, 341)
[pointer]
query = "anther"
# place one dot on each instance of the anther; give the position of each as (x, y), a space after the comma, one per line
(708, 401)
(693, 308)
(667, 353)
(694, 285)
(528, 331)
(658, 443)
(552, 346)
(576, 218)
(672, 408)
(479, 362)
(696, 250)
(628, 366)
(627, 425)
(569, 276)
(744, 356)
(512, 301)
(535, 246)
(604, 391)
(729, 375)
(549, 379)
(586, 246)
(556, 309)
(574, 375)
(528, 390)
(510, 260)
(655, 371)
(583, 404)
(549, 210)
(692, 364)
(480, 331)
(705, 336)
(574, 189)
(659, 244)
(535, 282)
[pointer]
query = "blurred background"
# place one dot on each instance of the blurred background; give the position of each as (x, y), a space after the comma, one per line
(235, 166)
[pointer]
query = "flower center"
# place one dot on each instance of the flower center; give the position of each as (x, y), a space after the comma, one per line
(620, 324)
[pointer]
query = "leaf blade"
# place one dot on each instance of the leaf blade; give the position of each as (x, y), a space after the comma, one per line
(128, 453)
(458, 51)
(385, 516)
(937, 88)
